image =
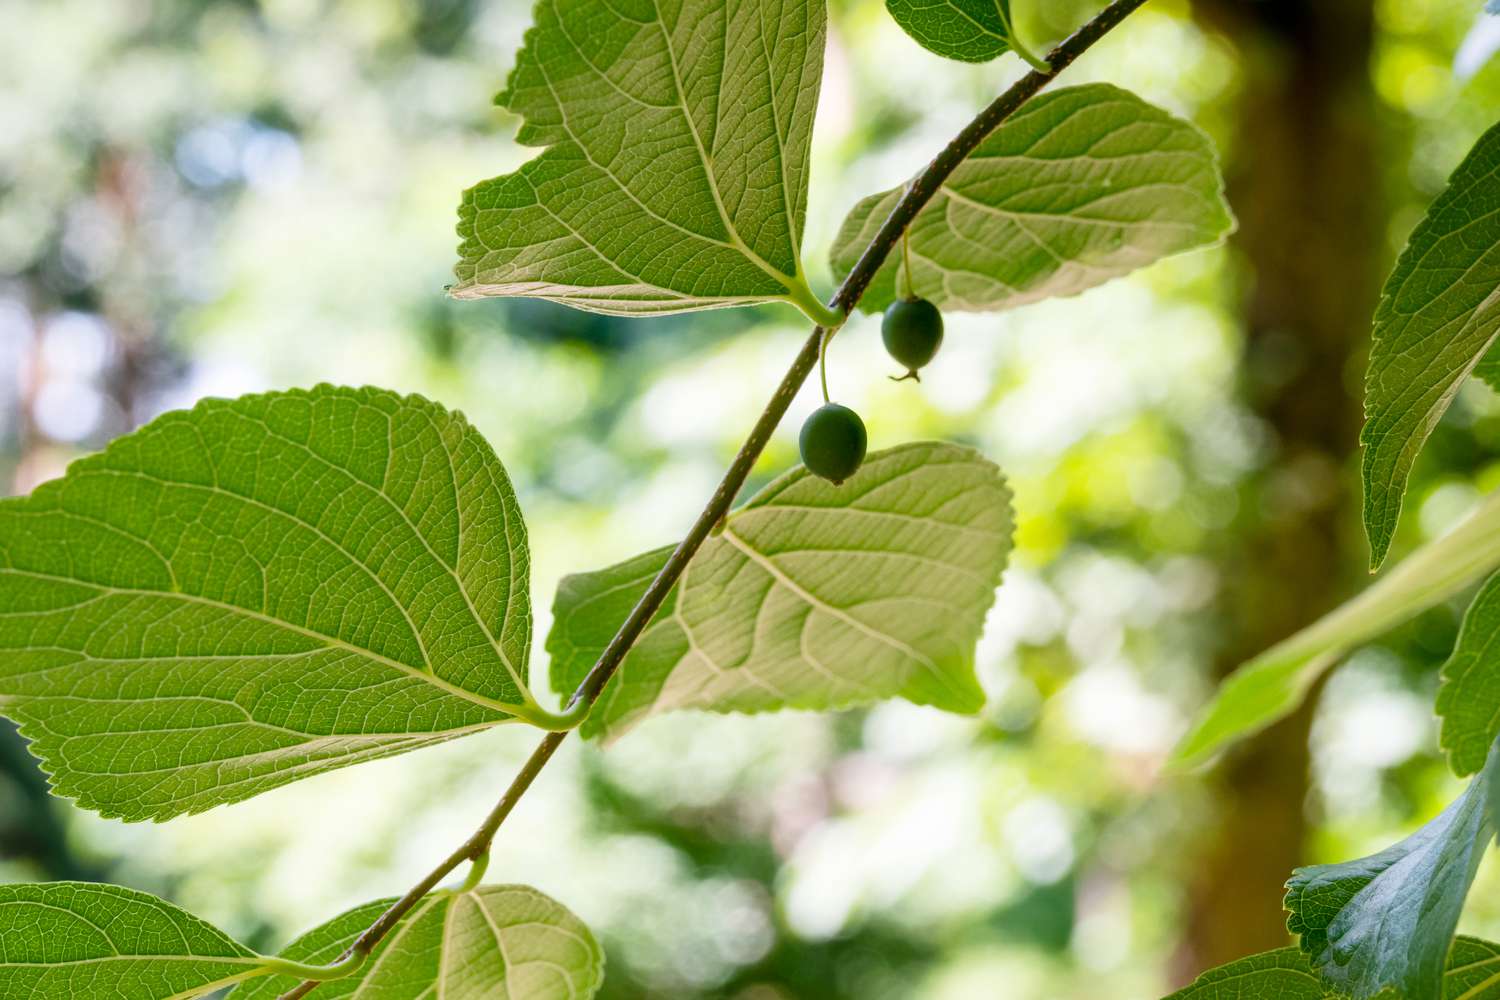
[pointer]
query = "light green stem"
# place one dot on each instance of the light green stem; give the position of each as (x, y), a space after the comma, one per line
(1019, 47)
(316, 973)
(801, 295)
(477, 869)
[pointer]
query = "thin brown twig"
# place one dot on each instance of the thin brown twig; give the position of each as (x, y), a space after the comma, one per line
(916, 196)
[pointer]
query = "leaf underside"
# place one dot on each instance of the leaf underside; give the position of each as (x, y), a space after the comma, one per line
(75, 939)
(1081, 185)
(505, 941)
(1473, 973)
(258, 590)
(675, 173)
(967, 30)
(813, 596)
(1386, 921)
(1469, 699)
(1439, 316)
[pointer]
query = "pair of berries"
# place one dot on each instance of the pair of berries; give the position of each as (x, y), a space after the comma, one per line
(833, 439)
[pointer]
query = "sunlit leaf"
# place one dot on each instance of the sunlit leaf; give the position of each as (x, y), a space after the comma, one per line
(505, 941)
(257, 590)
(1080, 186)
(1284, 974)
(969, 30)
(813, 596)
(1469, 699)
(1272, 685)
(1473, 970)
(75, 939)
(1438, 317)
(676, 163)
(1386, 921)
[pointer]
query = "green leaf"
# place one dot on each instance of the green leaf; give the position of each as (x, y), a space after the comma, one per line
(505, 941)
(76, 939)
(1438, 316)
(1469, 699)
(967, 30)
(1284, 974)
(258, 590)
(1082, 185)
(1473, 970)
(1387, 921)
(1488, 368)
(1272, 685)
(812, 596)
(676, 163)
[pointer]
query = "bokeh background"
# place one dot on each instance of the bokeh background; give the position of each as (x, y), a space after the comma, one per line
(211, 197)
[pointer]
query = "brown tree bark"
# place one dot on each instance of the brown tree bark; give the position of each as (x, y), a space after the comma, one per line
(1304, 179)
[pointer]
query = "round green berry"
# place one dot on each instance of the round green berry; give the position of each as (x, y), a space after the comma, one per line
(913, 332)
(833, 442)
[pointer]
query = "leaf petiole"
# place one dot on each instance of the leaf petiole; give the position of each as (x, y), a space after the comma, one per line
(1019, 47)
(477, 869)
(569, 718)
(316, 973)
(800, 294)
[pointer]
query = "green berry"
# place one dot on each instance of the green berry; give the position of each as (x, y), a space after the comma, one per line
(913, 332)
(833, 442)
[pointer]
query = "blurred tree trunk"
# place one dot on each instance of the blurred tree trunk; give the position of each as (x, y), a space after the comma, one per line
(1304, 179)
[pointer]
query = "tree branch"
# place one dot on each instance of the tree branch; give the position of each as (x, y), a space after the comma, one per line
(918, 193)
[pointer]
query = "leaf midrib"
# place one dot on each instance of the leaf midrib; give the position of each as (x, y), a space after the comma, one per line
(839, 614)
(735, 241)
(332, 642)
(787, 281)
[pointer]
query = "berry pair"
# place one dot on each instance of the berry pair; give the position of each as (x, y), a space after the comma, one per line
(833, 439)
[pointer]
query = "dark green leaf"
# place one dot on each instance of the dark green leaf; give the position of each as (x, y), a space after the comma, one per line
(1438, 316)
(1469, 699)
(1488, 368)
(1387, 921)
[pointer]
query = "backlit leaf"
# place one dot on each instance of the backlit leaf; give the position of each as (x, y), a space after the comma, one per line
(1284, 974)
(505, 941)
(1488, 368)
(76, 939)
(675, 171)
(1272, 685)
(813, 596)
(1469, 699)
(1080, 186)
(261, 589)
(969, 30)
